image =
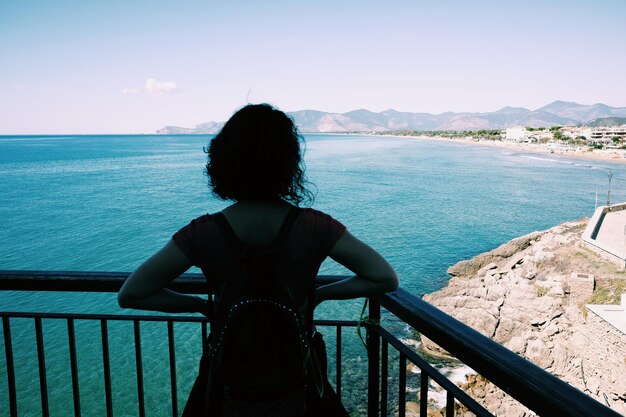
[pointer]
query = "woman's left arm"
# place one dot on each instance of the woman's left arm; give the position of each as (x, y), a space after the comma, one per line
(145, 288)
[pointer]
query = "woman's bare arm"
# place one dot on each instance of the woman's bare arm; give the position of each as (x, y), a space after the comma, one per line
(145, 288)
(374, 275)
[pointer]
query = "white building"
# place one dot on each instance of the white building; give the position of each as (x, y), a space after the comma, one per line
(517, 133)
(604, 135)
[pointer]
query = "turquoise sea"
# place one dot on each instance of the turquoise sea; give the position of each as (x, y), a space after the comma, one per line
(105, 203)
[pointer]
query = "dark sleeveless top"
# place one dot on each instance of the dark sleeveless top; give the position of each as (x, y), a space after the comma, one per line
(310, 240)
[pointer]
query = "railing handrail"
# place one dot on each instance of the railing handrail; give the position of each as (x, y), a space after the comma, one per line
(81, 281)
(532, 386)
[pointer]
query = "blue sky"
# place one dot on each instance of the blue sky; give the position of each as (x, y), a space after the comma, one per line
(135, 66)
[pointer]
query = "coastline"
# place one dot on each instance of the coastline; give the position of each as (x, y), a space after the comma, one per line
(609, 155)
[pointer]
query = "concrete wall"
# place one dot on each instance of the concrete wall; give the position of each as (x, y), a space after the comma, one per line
(607, 251)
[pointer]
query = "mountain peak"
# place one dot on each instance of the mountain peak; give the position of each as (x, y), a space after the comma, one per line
(512, 110)
(359, 111)
(559, 105)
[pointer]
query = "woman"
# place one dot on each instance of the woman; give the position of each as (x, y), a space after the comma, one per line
(256, 162)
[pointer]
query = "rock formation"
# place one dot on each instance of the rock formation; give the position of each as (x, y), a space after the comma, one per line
(529, 295)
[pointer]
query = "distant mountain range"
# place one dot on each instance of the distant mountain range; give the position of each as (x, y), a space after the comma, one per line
(558, 113)
(607, 122)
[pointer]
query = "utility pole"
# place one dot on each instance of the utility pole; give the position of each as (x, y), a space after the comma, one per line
(608, 197)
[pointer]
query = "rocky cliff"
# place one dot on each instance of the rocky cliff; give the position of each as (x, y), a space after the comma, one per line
(530, 295)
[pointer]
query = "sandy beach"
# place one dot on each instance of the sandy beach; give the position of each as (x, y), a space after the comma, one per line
(612, 155)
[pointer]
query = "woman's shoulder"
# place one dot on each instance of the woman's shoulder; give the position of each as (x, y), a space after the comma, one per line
(199, 222)
(311, 213)
(208, 217)
(198, 225)
(319, 218)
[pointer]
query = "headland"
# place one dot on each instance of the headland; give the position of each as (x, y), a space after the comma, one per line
(530, 295)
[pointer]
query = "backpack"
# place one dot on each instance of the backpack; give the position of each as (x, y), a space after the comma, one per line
(260, 356)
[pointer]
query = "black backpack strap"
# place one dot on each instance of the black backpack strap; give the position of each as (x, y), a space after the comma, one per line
(241, 249)
(283, 233)
(227, 232)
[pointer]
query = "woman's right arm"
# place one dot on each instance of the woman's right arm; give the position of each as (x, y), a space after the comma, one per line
(374, 275)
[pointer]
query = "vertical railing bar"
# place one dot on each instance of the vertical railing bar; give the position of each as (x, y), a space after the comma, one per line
(338, 362)
(383, 377)
(449, 404)
(423, 393)
(139, 369)
(170, 340)
(204, 333)
(204, 323)
(73, 366)
(8, 351)
(106, 367)
(373, 361)
(41, 358)
(402, 386)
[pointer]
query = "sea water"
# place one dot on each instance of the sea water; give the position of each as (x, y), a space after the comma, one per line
(106, 203)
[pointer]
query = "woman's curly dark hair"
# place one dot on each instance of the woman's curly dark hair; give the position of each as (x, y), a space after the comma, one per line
(257, 156)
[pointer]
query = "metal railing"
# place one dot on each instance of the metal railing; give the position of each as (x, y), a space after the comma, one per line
(533, 387)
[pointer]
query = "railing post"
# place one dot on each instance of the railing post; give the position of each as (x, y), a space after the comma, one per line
(373, 361)
(8, 350)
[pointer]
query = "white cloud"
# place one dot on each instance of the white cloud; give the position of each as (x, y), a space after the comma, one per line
(157, 88)
(131, 91)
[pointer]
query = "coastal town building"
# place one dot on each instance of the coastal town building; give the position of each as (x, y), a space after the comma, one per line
(606, 134)
(591, 136)
(517, 133)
